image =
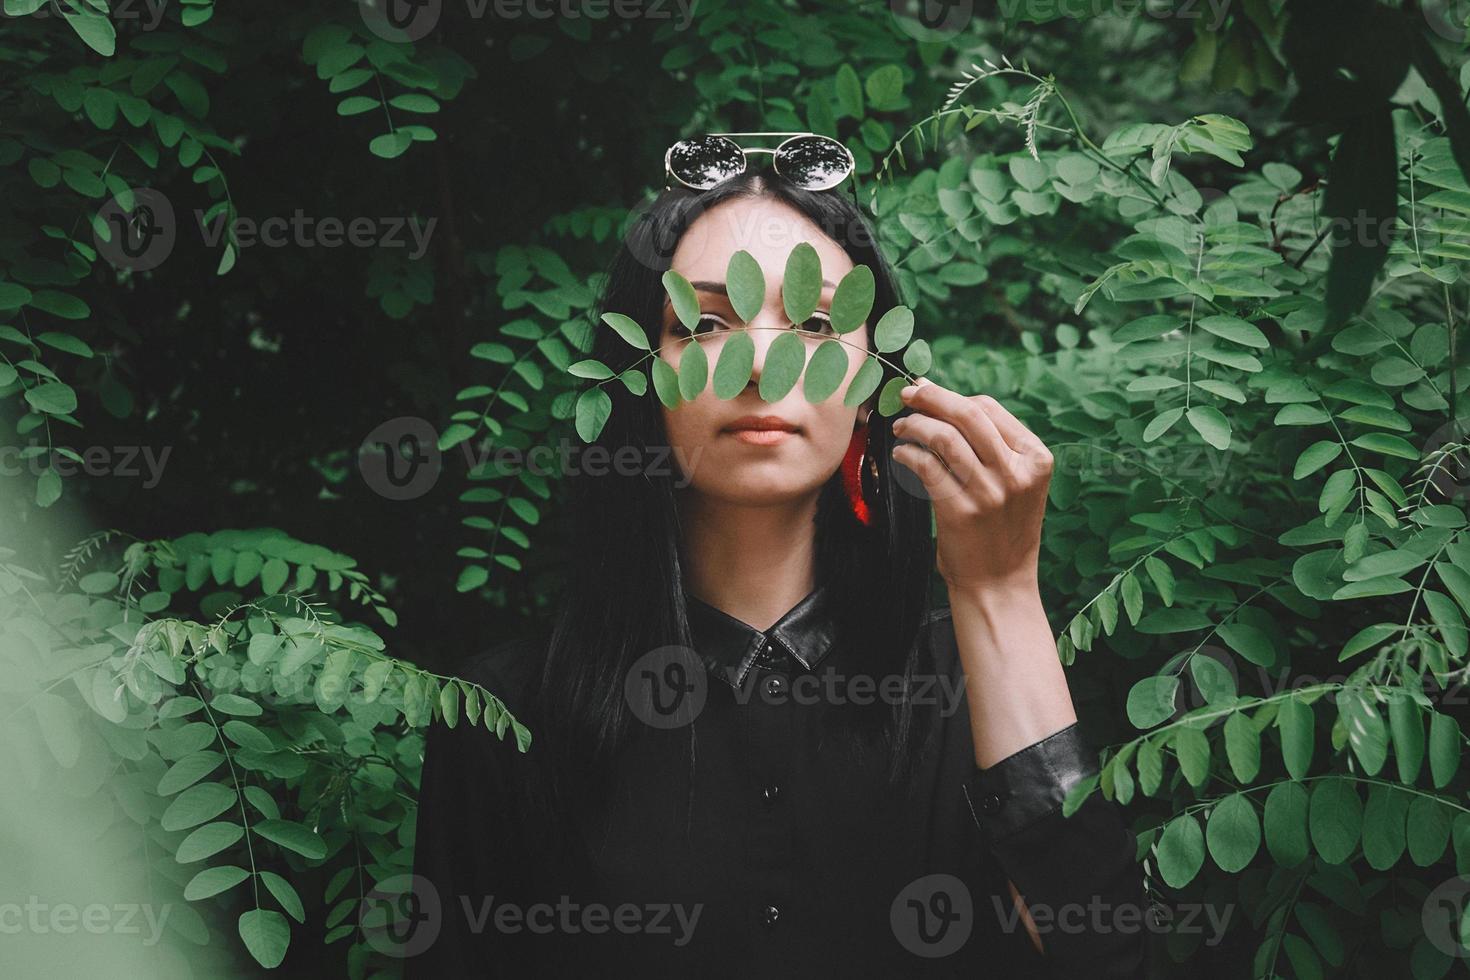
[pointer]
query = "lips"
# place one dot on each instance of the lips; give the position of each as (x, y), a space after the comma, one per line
(761, 423)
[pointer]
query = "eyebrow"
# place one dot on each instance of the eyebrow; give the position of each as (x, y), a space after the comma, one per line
(709, 285)
(719, 287)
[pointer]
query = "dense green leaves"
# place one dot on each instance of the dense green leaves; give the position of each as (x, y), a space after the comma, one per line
(1249, 420)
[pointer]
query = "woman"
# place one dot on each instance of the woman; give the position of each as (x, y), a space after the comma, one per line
(762, 748)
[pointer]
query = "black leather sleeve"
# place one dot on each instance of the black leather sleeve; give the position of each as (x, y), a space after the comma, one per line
(1078, 875)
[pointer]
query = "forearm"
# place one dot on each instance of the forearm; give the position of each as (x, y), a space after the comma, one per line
(1014, 683)
(1077, 875)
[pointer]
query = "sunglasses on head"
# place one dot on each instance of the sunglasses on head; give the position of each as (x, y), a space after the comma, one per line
(810, 161)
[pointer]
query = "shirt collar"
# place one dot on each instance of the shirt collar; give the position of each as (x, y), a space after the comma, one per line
(729, 646)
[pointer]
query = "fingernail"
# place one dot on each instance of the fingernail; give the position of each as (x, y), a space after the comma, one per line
(907, 391)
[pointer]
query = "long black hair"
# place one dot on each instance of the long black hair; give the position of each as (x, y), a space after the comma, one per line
(623, 594)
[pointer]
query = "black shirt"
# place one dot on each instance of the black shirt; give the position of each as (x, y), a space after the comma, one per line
(777, 854)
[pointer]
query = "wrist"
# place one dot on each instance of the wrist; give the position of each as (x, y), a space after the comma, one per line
(993, 594)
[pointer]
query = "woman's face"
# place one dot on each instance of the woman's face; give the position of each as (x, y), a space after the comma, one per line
(764, 468)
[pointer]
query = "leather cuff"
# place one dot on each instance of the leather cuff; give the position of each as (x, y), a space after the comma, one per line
(1030, 783)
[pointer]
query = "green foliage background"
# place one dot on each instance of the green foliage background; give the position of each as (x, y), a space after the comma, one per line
(1119, 224)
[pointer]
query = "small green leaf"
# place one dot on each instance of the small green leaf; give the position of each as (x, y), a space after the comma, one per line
(894, 329)
(890, 402)
(1233, 833)
(52, 398)
(864, 383)
(853, 300)
(285, 893)
(590, 368)
(594, 406)
(917, 358)
(746, 285)
(1286, 823)
(1151, 701)
(1444, 748)
(1335, 818)
(197, 804)
(785, 359)
(1181, 851)
(666, 383)
(212, 881)
(801, 289)
(683, 297)
(628, 329)
(733, 368)
(1211, 424)
(390, 145)
(693, 370)
(293, 837)
(826, 371)
(267, 934)
(1298, 735)
(207, 841)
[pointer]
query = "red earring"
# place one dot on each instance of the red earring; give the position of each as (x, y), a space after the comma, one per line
(852, 474)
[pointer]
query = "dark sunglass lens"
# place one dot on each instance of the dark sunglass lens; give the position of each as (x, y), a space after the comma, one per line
(705, 161)
(814, 162)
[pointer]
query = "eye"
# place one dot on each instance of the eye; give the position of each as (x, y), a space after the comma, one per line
(709, 322)
(818, 322)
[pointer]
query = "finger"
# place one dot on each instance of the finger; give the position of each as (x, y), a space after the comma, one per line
(939, 483)
(965, 415)
(1012, 429)
(949, 443)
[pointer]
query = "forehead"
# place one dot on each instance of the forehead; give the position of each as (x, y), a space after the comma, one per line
(766, 228)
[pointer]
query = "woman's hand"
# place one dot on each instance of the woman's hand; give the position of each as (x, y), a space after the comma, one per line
(989, 491)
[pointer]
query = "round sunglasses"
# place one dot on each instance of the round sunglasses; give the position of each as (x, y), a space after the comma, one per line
(810, 161)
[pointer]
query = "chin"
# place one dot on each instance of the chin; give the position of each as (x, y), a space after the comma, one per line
(756, 486)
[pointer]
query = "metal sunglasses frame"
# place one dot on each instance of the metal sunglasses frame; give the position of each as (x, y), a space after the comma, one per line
(773, 151)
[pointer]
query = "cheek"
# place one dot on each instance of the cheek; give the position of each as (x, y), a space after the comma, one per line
(688, 424)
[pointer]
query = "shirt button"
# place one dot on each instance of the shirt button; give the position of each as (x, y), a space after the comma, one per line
(771, 792)
(990, 803)
(769, 915)
(775, 686)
